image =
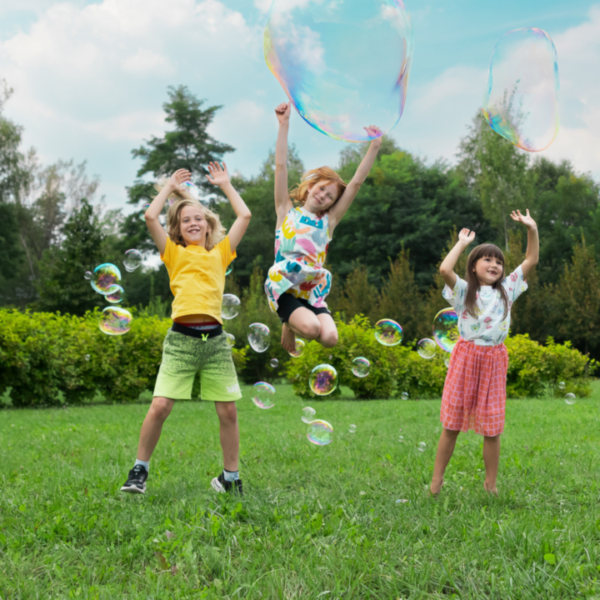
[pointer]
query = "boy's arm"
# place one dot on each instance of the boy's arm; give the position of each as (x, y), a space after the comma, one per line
(339, 209)
(465, 237)
(157, 231)
(218, 175)
(532, 256)
(283, 204)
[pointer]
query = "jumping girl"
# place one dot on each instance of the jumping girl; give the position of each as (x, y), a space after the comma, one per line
(297, 284)
(475, 390)
(196, 252)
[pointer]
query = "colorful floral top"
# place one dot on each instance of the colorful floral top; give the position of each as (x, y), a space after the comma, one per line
(490, 328)
(301, 245)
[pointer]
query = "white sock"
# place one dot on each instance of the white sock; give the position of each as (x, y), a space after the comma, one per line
(144, 463)
(231, 475)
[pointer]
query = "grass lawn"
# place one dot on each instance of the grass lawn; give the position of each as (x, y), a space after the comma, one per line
(315, 522)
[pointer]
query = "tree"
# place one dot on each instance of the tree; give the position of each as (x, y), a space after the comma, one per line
(359, 296)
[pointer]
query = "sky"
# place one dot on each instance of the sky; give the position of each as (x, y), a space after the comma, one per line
(90, 78)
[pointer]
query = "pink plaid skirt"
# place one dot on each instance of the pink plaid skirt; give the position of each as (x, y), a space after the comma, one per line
(475, 390)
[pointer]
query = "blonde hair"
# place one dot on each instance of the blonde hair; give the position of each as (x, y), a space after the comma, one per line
(326, 174)
(216, 231)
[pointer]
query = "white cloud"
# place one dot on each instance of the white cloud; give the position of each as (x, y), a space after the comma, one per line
(146, 60)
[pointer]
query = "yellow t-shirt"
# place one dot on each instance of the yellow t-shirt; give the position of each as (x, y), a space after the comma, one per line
(197, 277)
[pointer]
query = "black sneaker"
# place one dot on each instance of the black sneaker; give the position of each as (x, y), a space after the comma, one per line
(136, 482)
(220, 485)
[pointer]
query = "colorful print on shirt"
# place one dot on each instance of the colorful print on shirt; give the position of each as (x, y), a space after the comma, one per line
(489, 328)
(301, 245)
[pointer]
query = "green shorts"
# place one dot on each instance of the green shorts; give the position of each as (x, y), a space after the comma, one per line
(183, 356)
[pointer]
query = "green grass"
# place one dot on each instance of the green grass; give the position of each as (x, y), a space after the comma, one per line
(316, 522)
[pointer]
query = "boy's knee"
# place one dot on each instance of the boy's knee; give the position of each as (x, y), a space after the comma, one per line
(330, 339)
(228, 413)
(160, 408)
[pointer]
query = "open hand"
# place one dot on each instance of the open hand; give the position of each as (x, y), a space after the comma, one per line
(179, 177)
(374, 132)
(527, 220)
(466, 236)
(218, 175)
(283, 112)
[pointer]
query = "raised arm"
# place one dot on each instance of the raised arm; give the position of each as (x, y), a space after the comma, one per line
(157, 231)
(282, 198)
(465, 237)
(218, 175)
(532, 256)
(338, 210)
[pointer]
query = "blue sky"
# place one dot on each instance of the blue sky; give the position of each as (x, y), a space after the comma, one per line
(90, 78)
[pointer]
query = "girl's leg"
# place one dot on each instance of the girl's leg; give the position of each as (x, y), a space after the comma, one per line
(302, 322)
(329, 335)
(158, 412)
(229, 433)
(442, 458)
(491, 458)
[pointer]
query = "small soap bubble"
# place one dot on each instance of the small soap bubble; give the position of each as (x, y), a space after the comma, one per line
(258, 337)
(404, 395)
(106, 278)
(521, 100)
(133, 259)
(87, 357)
(445, 329)
(320, 433)
(308, 414)
(352, 429)
(88, 275)
(323, 380)
(230, 339)
(426, 348)
(191, 189)
(230, 308)
(262, 395)
(361, 366)
(228, 271)
(422, 446)
(401, 501)
(401, 439)
(116, 296)
(299, 351)
(561, 385)
(447, 362)
(274, 363)
(388, 332)
(115, 320)
(570, 398)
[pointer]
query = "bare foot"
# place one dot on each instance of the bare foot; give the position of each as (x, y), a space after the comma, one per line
(288, 338)
(492, 489)
(435, 489)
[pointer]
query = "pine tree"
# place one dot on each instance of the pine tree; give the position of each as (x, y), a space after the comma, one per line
(359, 296)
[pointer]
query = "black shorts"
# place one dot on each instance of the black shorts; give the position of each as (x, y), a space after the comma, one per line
(288, 304)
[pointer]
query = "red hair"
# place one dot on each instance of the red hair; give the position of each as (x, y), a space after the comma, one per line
(310, 178)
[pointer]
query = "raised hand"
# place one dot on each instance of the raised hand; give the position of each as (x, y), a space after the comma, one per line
(179, 177)
(466, 236)
(218, 175)
(374, 132)
(283, 112)
(527, 220)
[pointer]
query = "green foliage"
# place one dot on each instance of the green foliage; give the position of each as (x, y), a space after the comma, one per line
(420, 378)
(45, 357)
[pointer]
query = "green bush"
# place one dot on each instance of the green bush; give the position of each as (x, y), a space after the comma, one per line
(49, 359)
(418, 377)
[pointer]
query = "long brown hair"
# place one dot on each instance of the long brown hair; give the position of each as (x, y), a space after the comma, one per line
(216, 231)
(483, 251)
(325, 174)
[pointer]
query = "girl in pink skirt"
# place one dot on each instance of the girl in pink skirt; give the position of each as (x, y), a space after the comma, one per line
(475, 390)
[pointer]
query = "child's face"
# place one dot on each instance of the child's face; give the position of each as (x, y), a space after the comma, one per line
(321, 197)
(193, 226)
(488, 270)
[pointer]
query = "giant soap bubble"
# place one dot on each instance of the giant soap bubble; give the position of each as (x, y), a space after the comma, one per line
(521, 101)
(344, 64)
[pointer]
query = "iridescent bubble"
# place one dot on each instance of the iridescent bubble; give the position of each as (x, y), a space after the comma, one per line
(402, 501)
(344, 65)
(87, 357)
(88, 275)
(401, 439)
(361, 366)
(299, 351)
(521, 101)
(426, 348)
(262, 395)
(352, 429)
(274, 363)
(422, 446)
(447, 362)
(404, 395)
(133, 259)
(191, 189)
(320, 433)
(445, 329)
(115, 320)
(106, 278)
(116, 296)
(561, 385)
(570, 398)
(230, 339)
(388, 332)
(258, 337)
(308, 414)
(230, 308)
(228, 271)
(323, 380)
